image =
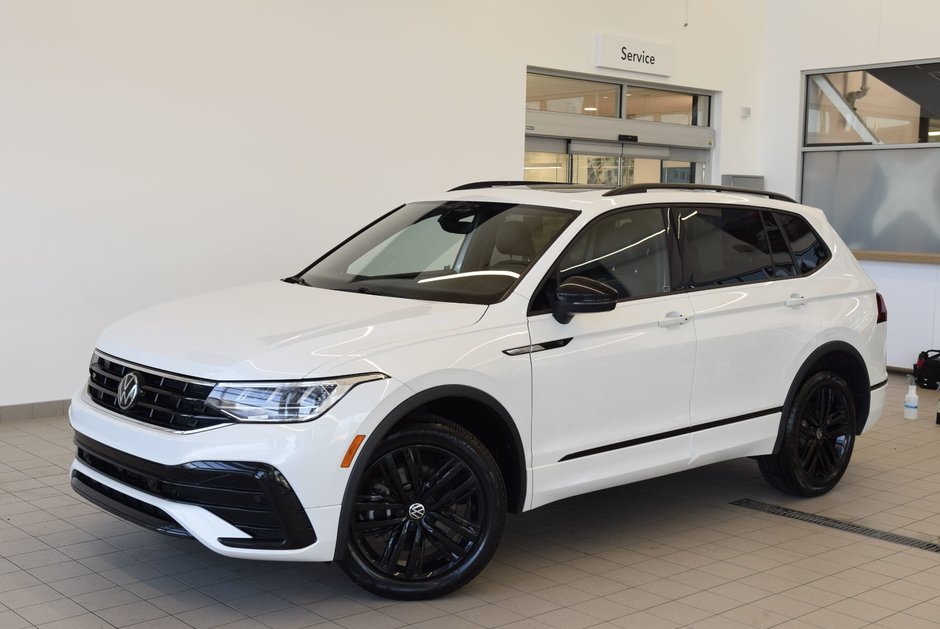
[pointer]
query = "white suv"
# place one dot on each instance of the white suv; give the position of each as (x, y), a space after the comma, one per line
(492, 349)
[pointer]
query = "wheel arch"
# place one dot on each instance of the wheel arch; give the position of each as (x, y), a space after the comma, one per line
(465, 406)
(843, 359)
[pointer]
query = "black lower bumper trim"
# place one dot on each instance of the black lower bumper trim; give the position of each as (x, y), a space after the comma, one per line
(253, 497)
(126, 507)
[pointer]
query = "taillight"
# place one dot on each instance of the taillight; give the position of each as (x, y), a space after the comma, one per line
(882, 309)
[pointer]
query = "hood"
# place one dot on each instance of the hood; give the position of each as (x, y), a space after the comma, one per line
(275, 331)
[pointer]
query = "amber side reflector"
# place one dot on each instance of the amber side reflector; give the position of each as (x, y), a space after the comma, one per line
(351, 451)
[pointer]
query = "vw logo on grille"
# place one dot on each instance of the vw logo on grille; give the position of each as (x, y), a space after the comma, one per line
(128, 390)
(416, 511)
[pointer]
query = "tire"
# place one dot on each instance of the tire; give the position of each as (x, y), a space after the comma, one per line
(818, 438)
(428, 512)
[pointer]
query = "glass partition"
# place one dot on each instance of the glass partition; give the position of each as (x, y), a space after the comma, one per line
(546, 167)
(572, 96)
(885, 105)
(644, 103)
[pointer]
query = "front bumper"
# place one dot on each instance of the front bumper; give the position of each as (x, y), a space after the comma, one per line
(253, 491)
(253, 497)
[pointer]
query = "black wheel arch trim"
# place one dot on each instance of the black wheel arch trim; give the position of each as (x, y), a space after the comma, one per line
(399, 413)
(810, 366)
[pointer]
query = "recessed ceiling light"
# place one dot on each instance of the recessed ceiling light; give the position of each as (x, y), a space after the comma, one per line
(933, 133)
(590, 109)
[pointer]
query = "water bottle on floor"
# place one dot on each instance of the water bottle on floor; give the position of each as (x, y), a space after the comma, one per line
(910, 402)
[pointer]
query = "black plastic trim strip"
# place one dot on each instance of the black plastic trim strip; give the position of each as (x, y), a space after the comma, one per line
(880, 385)
(94, 492)
(537, 347)
(668, 435)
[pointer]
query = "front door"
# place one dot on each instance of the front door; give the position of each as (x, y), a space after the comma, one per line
(611, 390)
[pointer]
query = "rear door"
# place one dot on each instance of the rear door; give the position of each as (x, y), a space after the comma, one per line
(755, 321)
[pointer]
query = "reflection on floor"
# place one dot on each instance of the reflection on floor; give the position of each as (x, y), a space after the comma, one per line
(671, 552)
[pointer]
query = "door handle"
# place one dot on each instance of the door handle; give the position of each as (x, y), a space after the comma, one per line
(673, 319)
(795, 301)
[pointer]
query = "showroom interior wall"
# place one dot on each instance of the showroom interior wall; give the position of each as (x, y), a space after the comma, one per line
(153, 150)
(805, 35)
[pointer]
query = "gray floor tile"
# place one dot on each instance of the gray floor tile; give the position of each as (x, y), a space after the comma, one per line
(664, 553)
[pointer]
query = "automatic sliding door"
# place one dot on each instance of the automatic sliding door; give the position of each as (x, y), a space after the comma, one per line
(609, 163)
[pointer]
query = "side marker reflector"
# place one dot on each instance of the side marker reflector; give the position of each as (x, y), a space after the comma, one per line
(351, 451)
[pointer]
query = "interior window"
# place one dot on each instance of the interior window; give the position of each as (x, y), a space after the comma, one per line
(808, 252)
(724, 245)
(626, 250)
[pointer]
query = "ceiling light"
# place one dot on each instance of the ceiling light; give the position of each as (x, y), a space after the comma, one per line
(933, 133)
(590, 109)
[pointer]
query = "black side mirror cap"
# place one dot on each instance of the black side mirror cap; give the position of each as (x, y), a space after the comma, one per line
(582, 294)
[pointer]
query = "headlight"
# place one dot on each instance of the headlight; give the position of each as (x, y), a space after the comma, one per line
(282, 401)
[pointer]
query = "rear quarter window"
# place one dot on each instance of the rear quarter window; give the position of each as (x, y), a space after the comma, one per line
(809, 252)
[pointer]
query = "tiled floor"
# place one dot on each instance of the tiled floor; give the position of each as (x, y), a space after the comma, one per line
(665, 553)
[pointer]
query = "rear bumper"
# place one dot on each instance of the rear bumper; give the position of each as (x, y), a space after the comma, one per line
(876, 405)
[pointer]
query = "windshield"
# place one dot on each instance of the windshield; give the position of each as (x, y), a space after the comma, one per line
(461, 251)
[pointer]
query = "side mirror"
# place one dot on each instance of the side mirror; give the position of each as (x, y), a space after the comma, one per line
(582, 294)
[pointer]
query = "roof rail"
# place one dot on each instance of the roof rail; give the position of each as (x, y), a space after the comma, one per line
(645, 187)
(476, 185)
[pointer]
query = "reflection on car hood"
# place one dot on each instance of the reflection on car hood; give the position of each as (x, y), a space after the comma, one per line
(275, 331)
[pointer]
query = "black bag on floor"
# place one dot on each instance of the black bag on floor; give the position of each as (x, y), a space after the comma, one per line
(927, 370)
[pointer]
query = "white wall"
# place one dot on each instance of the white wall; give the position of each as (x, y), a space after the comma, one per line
(807, 35)
(150, 150)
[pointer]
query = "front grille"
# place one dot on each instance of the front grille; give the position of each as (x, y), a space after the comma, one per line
(253, 497)
(165, 400)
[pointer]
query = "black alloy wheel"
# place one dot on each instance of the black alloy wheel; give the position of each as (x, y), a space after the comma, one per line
(428, 512)
(818, 438)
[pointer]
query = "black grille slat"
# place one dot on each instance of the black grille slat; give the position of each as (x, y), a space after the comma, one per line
(175, 403)
(253, 497)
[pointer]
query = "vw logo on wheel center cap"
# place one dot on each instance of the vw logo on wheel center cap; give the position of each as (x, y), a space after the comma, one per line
(128, 390)
(416, 511)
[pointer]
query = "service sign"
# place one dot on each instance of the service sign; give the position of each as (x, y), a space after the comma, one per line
(634, 55)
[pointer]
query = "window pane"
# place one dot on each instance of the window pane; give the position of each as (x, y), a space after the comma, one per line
(540, 166)
(678, 172)
(808, 252)
(724, 246)
(594, 169)
(626, 251)
(896, 105)
(462, 251)
(783, 263)
(572, 96)
(652, 105)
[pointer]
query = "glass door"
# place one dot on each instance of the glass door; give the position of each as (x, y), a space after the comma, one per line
(610, 163)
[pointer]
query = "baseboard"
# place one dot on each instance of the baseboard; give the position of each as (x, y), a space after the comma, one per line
(36, 410)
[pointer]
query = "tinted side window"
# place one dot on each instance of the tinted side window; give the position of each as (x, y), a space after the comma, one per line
(626, 250)
(724, 245)
(808, 252)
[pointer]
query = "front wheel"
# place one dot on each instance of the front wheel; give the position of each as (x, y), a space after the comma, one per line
(818, 438)
(428, 512)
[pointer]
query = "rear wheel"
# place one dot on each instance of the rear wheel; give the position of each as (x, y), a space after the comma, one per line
(818, 438)
(428, 512)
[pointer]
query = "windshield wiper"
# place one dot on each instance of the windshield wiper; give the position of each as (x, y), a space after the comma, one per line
(295, 280)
